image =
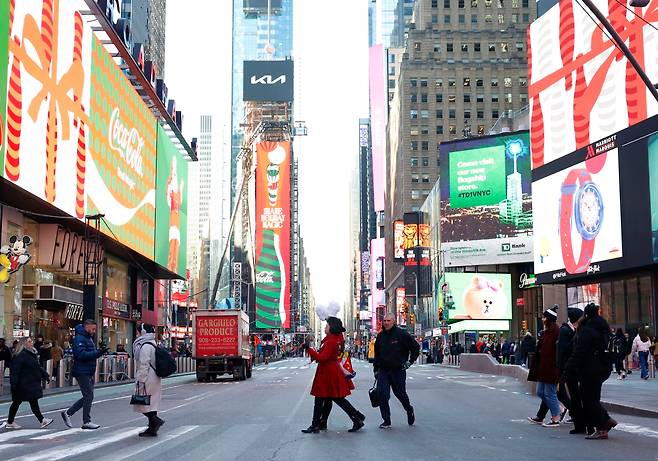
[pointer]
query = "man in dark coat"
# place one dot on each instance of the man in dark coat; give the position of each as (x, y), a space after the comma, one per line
(395, 351)
(25, 380)
(505, 351)
(589, 364)
(528, 345)
(85, 354)
(5, 354)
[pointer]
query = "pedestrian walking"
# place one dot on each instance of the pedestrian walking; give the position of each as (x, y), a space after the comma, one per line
(528, 345)
(57, 353)
(43, 348)
(146, 380)
(85, 354)
(395, 351)
(641, 345)
(505, 351)
(5, 355)
(619, 349)
(544, 369)
(329, 383)
(25, 379)
(592, 368)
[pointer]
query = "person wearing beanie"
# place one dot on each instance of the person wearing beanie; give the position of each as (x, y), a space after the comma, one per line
(588, 364)
(146, 380)
(329, 383)
(546, 370)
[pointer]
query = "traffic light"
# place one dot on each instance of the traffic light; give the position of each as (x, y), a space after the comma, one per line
(441, 315)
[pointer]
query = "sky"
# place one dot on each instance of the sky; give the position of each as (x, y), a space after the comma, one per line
(330, 50)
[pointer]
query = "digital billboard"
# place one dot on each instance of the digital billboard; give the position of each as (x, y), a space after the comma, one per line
(171, 206)
(401, 306)
(78, 134)
(398, 239)
(273, 235)
(268, 81)
(486, 200)
(581, 87)
(478, 296)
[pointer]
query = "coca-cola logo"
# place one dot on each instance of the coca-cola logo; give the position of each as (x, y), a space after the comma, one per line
(265, 277)
(127, 142)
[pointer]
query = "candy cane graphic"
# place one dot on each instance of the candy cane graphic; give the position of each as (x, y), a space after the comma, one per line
(48, 32)
(537, 118)
(47, 28)
(12, 6)
(567, 37)
(80, 163)
(77, 51)
(14, 119)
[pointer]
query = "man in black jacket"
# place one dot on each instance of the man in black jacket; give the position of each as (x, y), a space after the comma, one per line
(395, 351)
(5, 354)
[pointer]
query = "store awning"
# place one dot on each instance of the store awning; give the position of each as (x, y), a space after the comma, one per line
(480, 325)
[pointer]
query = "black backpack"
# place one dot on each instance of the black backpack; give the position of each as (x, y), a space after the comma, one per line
(609, 354)
(165, 365)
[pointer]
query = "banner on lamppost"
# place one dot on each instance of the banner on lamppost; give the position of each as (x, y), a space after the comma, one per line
(236, 277)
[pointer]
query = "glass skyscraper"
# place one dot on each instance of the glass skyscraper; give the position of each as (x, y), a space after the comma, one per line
(388, 27)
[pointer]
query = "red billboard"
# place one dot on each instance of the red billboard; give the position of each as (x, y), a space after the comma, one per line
(273, 235)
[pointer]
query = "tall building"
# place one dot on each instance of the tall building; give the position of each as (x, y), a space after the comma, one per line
(465, 64)
(148, 26)
(389, 21)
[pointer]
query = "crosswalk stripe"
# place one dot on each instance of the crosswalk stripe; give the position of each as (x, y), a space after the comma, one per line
(17, 433)
(57, 434)
(162, 438)
(282, 368)
(79, 447)
(7, 446)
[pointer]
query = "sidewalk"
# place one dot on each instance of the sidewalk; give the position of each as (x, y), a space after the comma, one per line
(631, 396)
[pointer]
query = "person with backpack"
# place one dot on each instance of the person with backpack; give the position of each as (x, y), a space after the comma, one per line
(591, 364)
(147, 381)
(641, 345)
(619, 349)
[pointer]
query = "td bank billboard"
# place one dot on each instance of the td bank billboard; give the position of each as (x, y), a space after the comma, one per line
(486, 205)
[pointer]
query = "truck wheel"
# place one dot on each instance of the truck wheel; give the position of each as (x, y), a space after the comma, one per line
(200, 377)
(243, 371)
(249, 370)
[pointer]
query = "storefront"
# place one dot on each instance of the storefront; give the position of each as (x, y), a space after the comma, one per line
(118, 321)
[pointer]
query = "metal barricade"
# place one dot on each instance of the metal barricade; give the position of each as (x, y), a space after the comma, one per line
(652, 366)
(120, 370)
(2, 376)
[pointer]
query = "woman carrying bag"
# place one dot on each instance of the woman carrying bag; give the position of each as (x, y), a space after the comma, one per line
(148, 385)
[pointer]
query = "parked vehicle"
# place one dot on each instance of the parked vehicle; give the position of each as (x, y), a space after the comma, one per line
(221, 344)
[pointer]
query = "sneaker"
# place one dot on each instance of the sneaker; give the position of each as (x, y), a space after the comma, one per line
(620, 378)
(11, 426)
(90, 426)
(411, 417)
(552, 424)
(66, 418)
(46, 422)
(535, 420)
(623, 376)
(598, 435)
(563, 415)
(385, 425)
(568, 421)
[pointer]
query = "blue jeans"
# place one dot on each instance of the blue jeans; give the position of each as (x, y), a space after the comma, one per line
(548, 393)
(396, 380)
(86, 384)
(644, 364)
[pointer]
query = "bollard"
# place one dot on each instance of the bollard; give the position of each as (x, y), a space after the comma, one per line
(179, 365)
(61, 372)
(49, 370)
(652, 367)
(115, 365)
(2, 376)
(97, 374)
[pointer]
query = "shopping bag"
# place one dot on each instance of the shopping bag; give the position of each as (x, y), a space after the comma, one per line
(140, 397)
(374, 395)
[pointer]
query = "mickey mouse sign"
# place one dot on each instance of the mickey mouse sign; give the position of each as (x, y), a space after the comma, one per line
(14, 256)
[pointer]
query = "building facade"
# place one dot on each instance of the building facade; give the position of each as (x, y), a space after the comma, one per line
(148, 19)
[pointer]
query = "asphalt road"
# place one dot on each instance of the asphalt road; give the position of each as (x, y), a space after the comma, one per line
(459, 415)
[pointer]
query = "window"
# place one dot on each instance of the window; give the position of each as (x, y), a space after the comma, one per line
(479, 98)
(413, 113)
(492, 47)
(460, 3)
(525, 3)
(487, 3)
(452, 113)
(474, 3)
(480, 130)
(423, 97)
(462, 19)
(476, 47)
(479, 82)
(414, 161)
(391, 59)
(515, 18)
(515, 3)
(414, 145)
(414, 178)
(452, 82)
(503, 47)
(467, 114)
(519, 46)
(414, 131)
(494, 114)
(418, 46)
(438, 83)
(439, 97)
(449, 47)
(451, 98)
(435, 3)
(488, 18)
(480, 114)
(438, 161)
(425, 145)
(474, 19)
(439, 129)
(439, 113)
(446, 19)
(523, 82)
(423, 83)
(508, 98)
(507, 82)
(501, 4)
(446, 3)
(523, 98)
(391, 84)
(467, 81)
(424, 114)
(414, 97)
(526, 17)
(494, 82)
(425, 130)
(467, 97)
(391, 71)
(494, 97)
(435, 19)
(464, 47)
(452, 129)
(501, 18)
(426, 178)
(415, 195)
(426, 161)
(413, 82)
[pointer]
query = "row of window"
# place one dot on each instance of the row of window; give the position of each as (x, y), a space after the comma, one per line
(466, 81)
(488, 19)
(487, 3)
(507, 97)
(425, 114)
(504, 47)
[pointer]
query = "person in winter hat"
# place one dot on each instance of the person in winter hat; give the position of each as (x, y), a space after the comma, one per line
(146, 380)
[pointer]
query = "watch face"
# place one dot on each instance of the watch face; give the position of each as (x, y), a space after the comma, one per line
(588, 211)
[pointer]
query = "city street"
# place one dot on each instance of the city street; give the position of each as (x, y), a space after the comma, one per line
(460, 415)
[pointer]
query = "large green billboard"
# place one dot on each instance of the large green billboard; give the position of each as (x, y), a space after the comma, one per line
(170, 206)
(477, 177)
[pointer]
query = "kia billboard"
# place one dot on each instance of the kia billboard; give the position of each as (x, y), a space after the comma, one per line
(486, 200)
(273, 235)
(582, 88)
(268, 81)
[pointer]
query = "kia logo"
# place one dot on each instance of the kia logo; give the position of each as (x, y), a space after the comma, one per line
(268, 80)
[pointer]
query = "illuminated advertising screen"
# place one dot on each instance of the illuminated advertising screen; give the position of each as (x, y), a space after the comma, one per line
(398, 238)
(171, 206)
(273, 235)
(596, 209)
(486, 200)
(401, 306)
(478, 296)
(78, 135)
(581, 88)
(268, 80)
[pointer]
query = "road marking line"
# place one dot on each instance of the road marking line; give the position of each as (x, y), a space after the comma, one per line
(410, 377)
(17, 433)
(197, 396)
(57, 434)
(6, 446)
(429, 377)
(637, 430)
(131, 451)
(282, 368)
(515, 392)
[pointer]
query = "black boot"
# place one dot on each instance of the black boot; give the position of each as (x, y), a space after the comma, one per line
(323, 425)
(314, 428)
(357, 422)
(361, 416)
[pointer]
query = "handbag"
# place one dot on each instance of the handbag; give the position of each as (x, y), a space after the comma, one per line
(140, 399)
(374, 395)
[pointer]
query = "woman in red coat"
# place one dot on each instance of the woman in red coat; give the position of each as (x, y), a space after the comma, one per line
(329, 384)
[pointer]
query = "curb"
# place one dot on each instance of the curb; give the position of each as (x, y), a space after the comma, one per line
(624, 409)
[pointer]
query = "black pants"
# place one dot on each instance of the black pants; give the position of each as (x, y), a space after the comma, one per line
(595, 415)
(576, 409)
(13, 409)
(562, 396)
(396, 380)
(86, 383)
(153, 419)
(619, 365)
(322, 407)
